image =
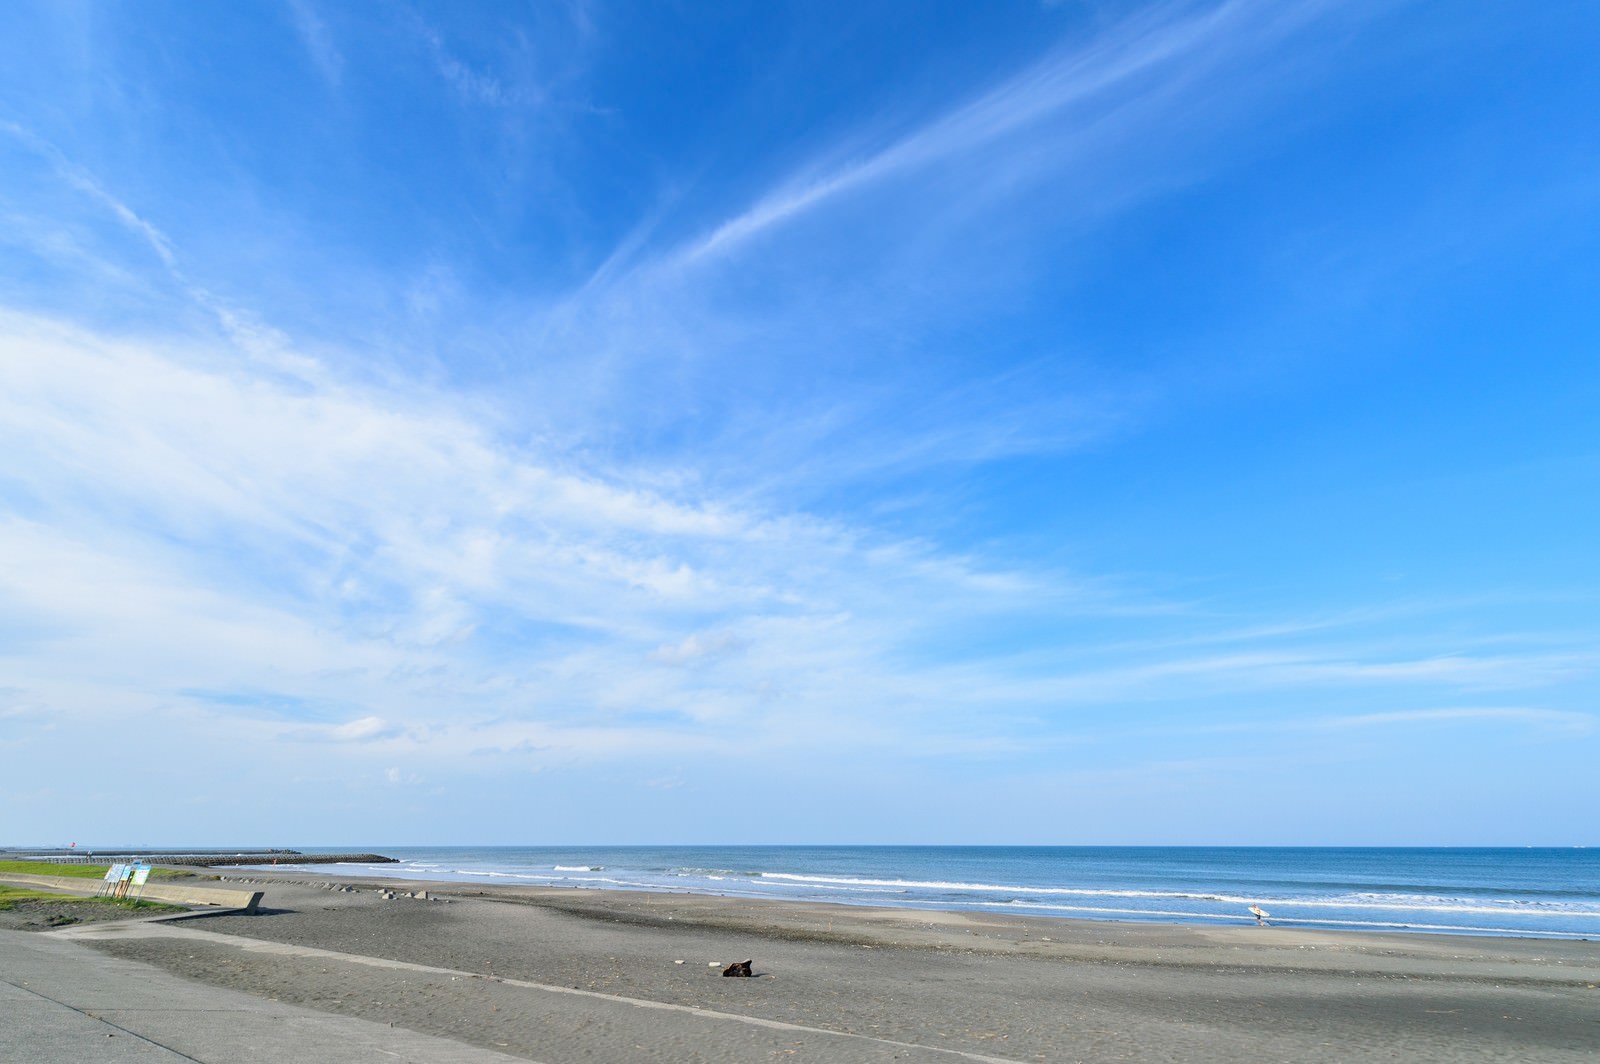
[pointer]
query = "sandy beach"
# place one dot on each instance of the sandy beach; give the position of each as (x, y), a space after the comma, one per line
(558, 975)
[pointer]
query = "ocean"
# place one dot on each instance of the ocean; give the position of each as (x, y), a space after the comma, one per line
(1553, 893)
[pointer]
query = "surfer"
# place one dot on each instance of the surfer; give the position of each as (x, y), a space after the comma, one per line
(1260, 914)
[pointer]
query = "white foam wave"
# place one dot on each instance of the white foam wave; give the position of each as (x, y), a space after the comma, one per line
(1394, 925)
(1396, 902)
(1105, 910)
(755, 887)
(1407, 903)
(1000, 888)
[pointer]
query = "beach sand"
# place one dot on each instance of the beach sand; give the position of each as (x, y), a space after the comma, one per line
(559, 975)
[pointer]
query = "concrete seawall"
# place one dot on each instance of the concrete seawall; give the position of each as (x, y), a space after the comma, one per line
(175, 891)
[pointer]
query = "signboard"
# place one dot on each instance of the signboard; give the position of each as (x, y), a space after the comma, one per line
(119, 877)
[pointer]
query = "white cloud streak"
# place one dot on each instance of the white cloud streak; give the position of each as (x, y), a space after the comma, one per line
(1169, 46)
(260, 341)
(1549, 718)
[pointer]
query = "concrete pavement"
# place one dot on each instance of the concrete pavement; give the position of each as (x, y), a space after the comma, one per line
(63, 1003)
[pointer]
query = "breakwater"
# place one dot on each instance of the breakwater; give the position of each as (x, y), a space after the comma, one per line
(199, 858)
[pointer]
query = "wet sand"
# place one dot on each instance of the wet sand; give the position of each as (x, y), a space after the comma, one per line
(559, 975)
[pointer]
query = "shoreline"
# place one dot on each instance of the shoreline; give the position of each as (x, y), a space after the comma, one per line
(564, 974)
(999, 933)
(1244, 922)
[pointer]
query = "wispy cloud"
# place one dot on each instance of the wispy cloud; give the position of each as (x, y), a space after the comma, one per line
(318, 40)
(696, 647)
(85, 182)
(252, 530)
(249, 333)
(1550, 718)
(1154, 53)
(380, 556)
(361, 730)
(1098, 125)
(474, 85)
(1156, 678)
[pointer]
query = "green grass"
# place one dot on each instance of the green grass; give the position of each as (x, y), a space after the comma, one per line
(136, 903)
(66, 871)
(79, 871)
(9, 896)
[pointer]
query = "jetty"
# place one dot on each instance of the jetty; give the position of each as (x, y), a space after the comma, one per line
(200, 858)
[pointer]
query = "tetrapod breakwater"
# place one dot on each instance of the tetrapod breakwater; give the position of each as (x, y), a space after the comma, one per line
(200, 858)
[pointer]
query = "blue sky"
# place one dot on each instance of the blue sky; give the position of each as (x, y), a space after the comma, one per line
(822, 422)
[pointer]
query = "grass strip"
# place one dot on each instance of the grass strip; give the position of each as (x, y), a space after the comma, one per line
(9, 896)
(80, 871)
